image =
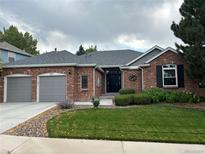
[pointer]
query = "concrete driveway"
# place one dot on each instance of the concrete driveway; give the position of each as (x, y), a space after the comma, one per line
(12, 114)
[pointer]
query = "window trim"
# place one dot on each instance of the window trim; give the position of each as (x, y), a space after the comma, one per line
(83, 89)
(12, 55)
(176, 76)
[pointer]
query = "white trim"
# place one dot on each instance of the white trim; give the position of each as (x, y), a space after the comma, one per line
(122, 79)
(94, 82)
(47, 74)
(142, 78)
(5, 83)
(135, 67)
(176, 76)
(52, 74)
(105, 82)
(100, 69)
(18, 75)
(49, 65)
(167, 49)
(109, 66)
(5, 89)
(148, 51)
(12, 55)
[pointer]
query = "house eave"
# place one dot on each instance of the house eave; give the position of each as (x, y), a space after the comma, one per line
(135, 67)
(49, 65)
(148, 51)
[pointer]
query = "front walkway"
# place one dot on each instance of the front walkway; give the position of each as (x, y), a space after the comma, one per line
(103, 102)
(25, 145)
(12, 114)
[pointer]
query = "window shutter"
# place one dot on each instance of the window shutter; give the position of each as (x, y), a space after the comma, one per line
(159, 76)
(180, 72)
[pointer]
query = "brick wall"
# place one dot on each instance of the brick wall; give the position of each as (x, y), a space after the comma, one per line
(83, 95)
(137, 85)
(99, 89)
(170, 58)
(74, 92)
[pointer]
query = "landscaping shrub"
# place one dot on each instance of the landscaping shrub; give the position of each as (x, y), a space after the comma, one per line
(141, 99)
(123, 100)
(65, 104)
(125, 91)
(95, 101)
(202, 99)
(158, 95)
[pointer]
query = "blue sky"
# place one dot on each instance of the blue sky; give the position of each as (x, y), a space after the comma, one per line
(111, 24)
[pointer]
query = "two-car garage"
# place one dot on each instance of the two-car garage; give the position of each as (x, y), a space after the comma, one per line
(50, 87)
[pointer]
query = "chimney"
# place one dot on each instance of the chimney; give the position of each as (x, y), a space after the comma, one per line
(55, 49)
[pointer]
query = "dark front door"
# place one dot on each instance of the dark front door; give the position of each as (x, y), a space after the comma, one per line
(113, 79)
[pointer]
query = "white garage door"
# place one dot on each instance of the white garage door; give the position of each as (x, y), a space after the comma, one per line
(52, 88)
(19, 89)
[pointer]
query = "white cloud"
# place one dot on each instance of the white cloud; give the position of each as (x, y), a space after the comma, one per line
(109, 24)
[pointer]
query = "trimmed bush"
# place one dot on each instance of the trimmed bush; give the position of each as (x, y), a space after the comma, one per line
(123, 100)
(158, 95)
(141, 99)
(96, 102)
(65, 104)
(125, 91)
(202, 99)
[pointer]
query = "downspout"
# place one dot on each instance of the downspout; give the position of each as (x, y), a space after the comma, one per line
(94, 81)
(142, 78)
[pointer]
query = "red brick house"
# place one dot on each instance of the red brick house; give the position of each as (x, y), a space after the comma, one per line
(57, 76)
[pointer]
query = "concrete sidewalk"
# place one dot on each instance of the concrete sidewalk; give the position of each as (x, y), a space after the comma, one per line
(34, 145)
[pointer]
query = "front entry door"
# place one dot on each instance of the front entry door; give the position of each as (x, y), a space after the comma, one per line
(113, 80)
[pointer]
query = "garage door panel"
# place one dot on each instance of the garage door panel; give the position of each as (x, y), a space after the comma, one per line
(52, 88)
(19, 89)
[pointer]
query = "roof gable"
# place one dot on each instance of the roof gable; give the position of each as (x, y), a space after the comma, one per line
(166, 50)
(156, 47)
(7, 46)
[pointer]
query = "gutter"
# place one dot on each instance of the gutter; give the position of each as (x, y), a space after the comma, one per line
(49, 65)
(142, 78)
(135, 67)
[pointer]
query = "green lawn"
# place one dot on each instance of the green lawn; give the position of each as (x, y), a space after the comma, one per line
(162, 123)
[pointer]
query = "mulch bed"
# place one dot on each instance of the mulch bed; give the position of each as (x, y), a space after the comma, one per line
(200, 105)
(36, 126)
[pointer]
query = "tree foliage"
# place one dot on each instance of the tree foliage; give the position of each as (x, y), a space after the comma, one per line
(191, 30)
(24, 41)
(91, 49)
(82, 51)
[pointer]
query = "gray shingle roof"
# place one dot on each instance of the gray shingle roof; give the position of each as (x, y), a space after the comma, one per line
(112, 57)
(148, 56)
(6, 46)
(100, 58)
(48, 58)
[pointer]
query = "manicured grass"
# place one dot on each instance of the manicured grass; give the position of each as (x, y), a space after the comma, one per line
(161, 123)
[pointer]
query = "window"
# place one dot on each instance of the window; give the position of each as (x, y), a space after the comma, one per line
(169, 75)
(11, 57)
(84, 82)
(202, 84)
(98, 83)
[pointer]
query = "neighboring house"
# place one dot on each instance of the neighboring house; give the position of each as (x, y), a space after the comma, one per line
(10, 53)
(58, 76)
